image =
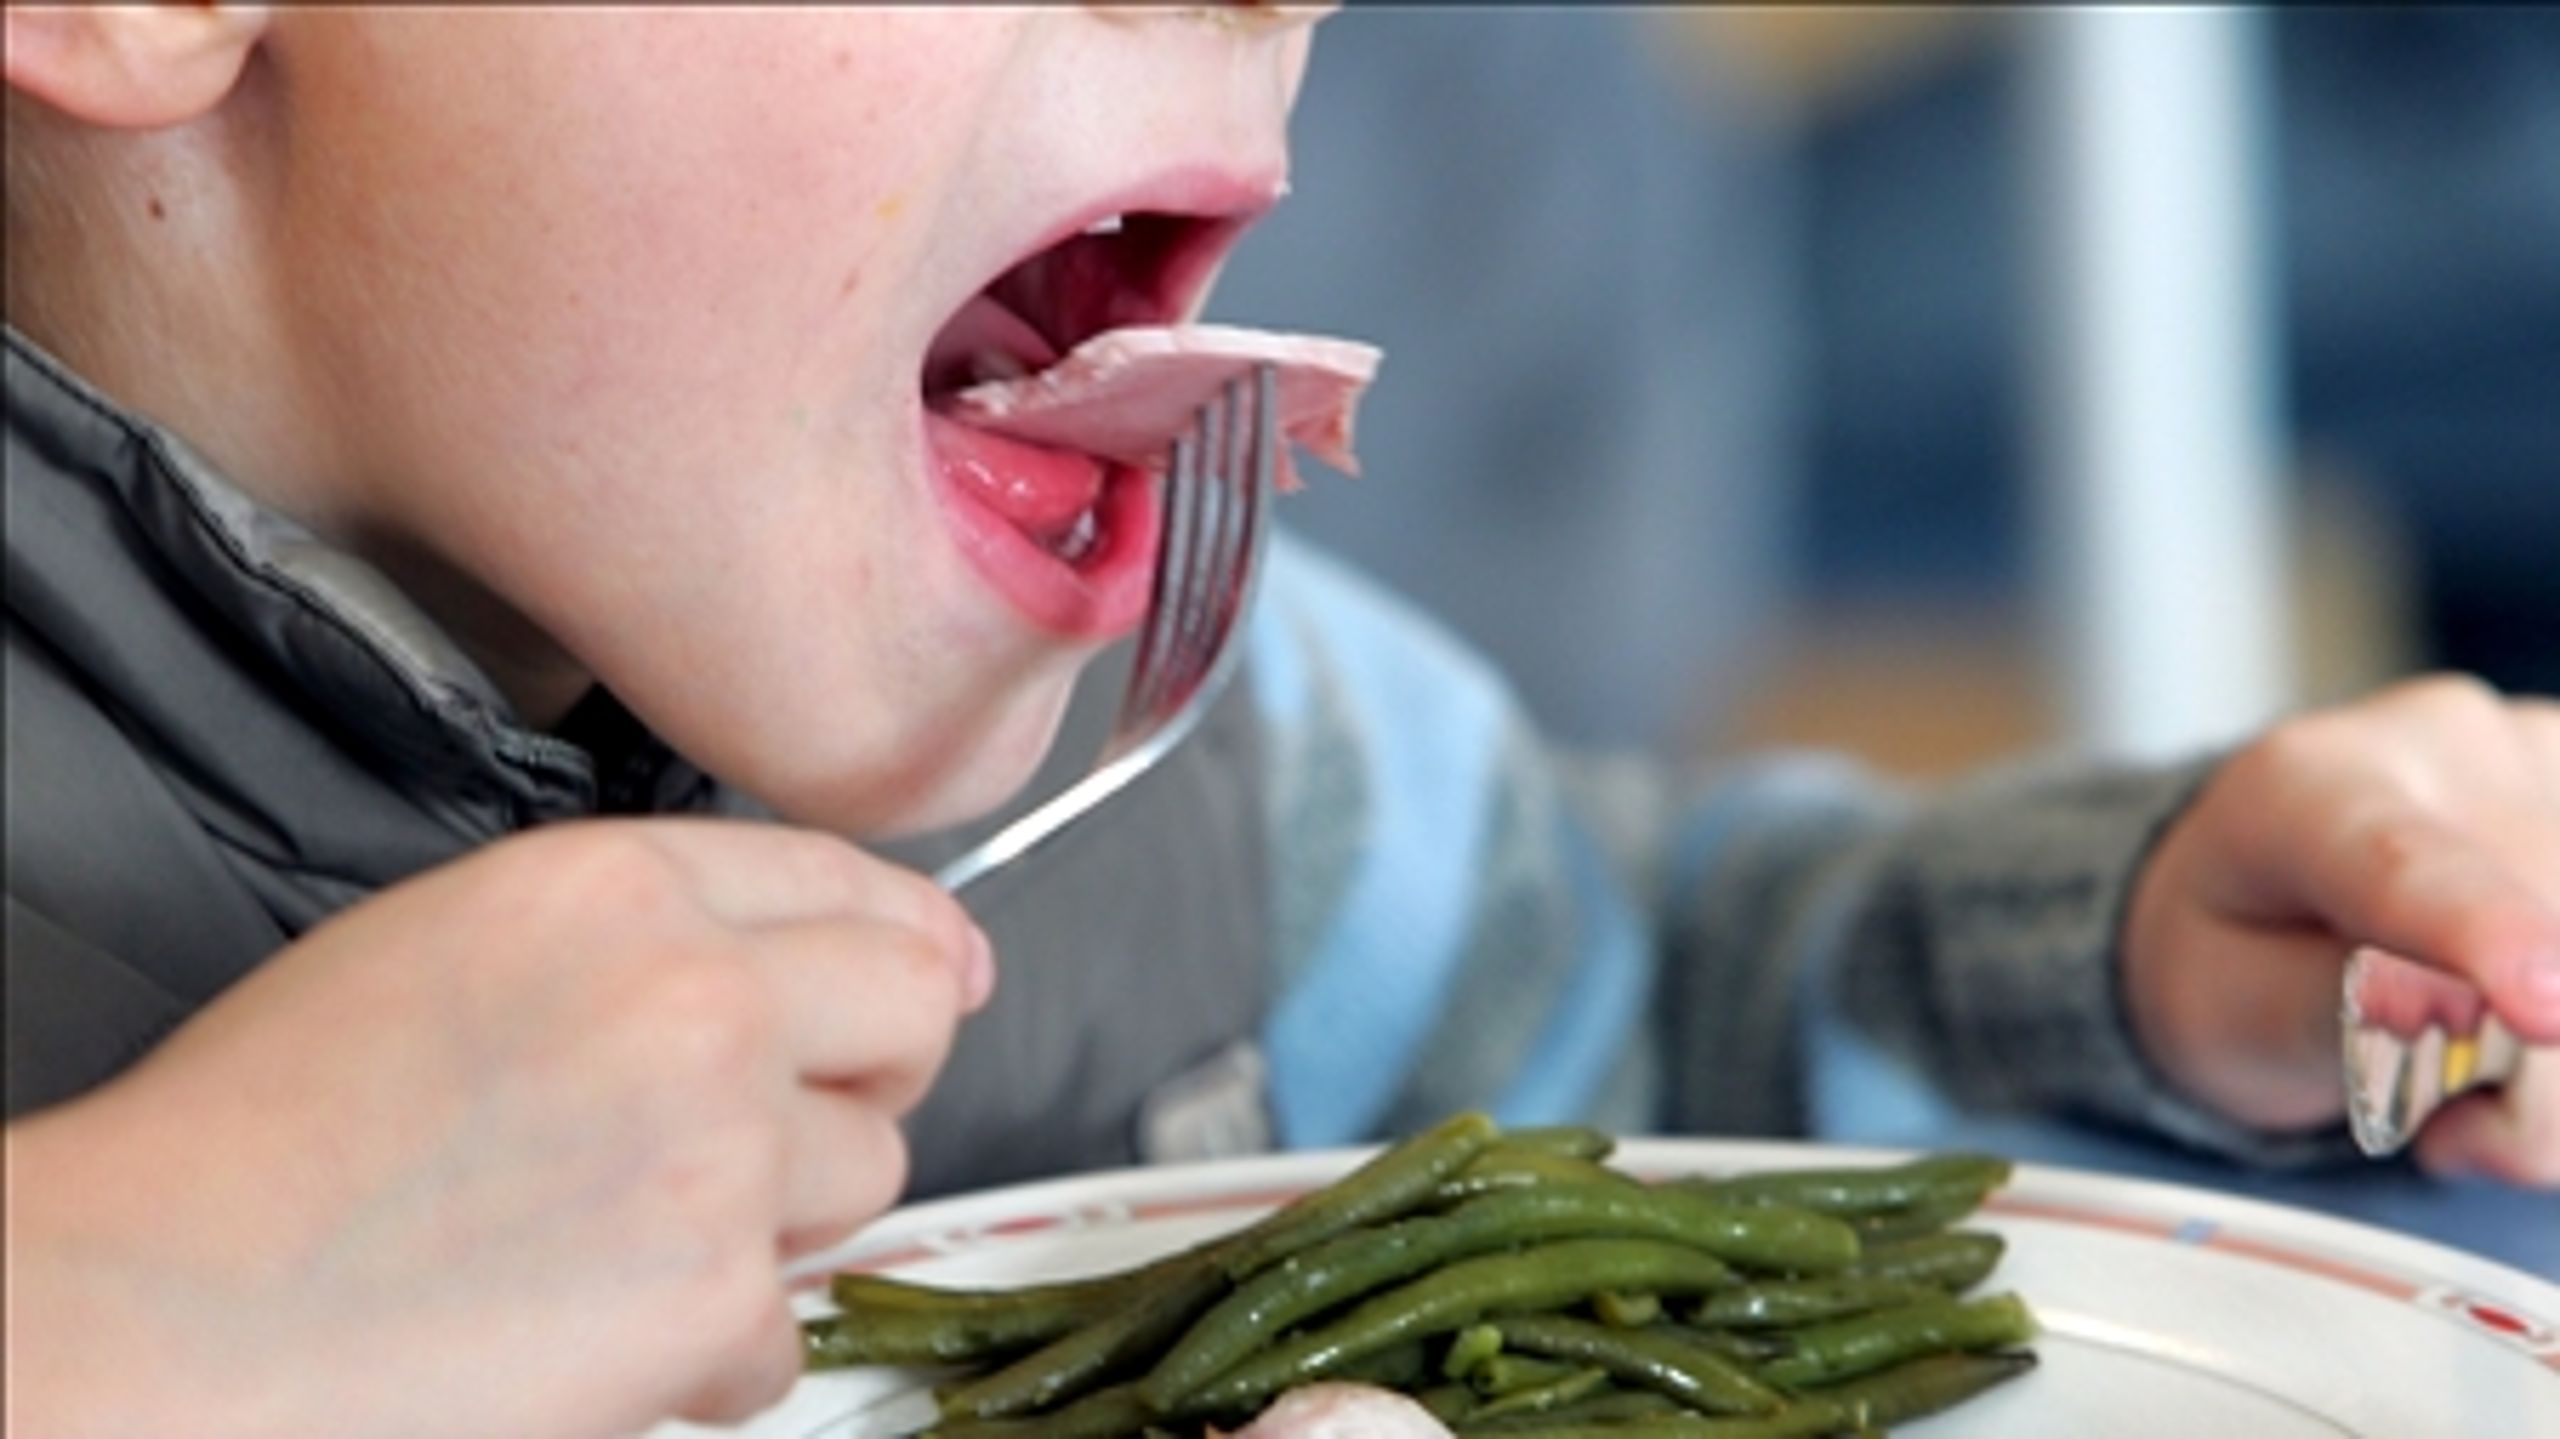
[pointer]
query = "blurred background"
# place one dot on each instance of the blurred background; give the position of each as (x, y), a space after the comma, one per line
(1936, 383)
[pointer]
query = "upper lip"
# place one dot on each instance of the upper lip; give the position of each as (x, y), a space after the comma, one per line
(1192, 216)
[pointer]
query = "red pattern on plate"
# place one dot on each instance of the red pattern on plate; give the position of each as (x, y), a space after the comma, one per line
(2499, 1320)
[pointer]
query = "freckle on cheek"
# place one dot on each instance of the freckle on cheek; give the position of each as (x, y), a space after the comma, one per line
(852, 278)
(158, 210)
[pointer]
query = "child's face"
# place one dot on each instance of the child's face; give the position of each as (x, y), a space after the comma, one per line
(619, 324)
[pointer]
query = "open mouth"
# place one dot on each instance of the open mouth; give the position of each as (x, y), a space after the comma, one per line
(1125, 269)
(1068, 537)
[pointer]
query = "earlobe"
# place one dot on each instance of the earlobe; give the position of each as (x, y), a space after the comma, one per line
(131, 66)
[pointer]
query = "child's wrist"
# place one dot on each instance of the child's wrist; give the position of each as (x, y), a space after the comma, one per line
(114, 1323)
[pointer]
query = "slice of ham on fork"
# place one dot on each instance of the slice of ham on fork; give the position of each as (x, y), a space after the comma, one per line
(1344, 1411)
(1124, 394)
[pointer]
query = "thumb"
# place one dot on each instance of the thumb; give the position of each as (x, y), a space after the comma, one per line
(2510, 1134)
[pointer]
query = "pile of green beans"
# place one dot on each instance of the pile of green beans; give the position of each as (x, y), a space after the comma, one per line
(1512, 1282)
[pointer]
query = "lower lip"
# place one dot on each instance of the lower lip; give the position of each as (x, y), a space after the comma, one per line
(1099, 597)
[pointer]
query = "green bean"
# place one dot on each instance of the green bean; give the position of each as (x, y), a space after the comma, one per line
(1447, 1402)
(1626, 1311)
(1395, 1181)
(1643, 1357)
(1785, 1303)
(1771, 1237)
(1541, 1397)
(1621, 1404)
(1473, 1345)
(1149, 1318)
(839, 1341)
(1954, 1261)
(1863, 1191)
(1103, 1414)
(1603, 1407)
(894, 1321)
(1797, 1421)
(1498, 1374)
(1072, 1364)
(1402, 1367)
(1573, 1141)
(901, 1336)
(1927, 1386)
(1846, 1348)
(1749, 1349)
(1503, 1167)
(888, 1321)
(872, 1292)
(1459, 1294)
(1928, 1216)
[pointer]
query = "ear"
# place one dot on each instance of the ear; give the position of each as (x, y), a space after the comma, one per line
(131, 66)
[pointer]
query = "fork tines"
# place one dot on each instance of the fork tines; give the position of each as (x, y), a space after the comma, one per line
(1214, 492)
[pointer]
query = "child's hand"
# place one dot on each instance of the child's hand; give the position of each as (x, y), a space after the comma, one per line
(515, 1148)
(2424, 821)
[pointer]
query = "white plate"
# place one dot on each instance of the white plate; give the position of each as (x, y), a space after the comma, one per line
(2166, 1309)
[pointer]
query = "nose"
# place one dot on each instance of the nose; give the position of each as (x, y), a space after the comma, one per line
(1295, 14)
(1257, 16)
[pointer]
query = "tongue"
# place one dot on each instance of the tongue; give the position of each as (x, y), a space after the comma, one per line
(1039, 490)
(1125, 394)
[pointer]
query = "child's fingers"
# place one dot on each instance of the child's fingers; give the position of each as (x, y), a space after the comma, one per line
(758, 875)
(2539, 722)
(2510, 1134)
(847, 1164)
(2409, 883)
(2405, 998)
(750, 874)
(864, 1005)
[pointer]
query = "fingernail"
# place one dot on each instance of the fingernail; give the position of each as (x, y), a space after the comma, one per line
(977, 971)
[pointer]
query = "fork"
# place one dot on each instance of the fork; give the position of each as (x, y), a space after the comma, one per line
(1216, 500)
(2399, 1073)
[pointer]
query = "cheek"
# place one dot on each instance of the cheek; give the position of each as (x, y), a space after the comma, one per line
(572, 339)
(674, 239)
(647, 371)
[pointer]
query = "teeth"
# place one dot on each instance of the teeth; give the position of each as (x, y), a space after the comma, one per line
(1107, 225)
(988, 365)
(1077, 542)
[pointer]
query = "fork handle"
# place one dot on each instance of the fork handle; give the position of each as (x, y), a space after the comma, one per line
(2401, 1068)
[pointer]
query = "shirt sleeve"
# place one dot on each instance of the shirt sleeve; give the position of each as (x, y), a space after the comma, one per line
(1465, 916)
(1969, 934)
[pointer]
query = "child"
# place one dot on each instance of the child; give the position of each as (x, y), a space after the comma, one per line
(551, 392)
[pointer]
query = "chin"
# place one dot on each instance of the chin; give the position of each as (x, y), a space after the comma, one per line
(977, 788)
(948, 773)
